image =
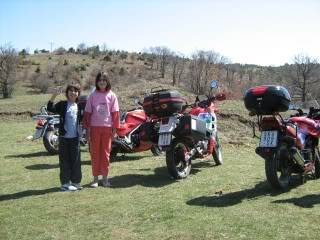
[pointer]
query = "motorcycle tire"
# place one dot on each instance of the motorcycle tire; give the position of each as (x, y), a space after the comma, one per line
(178, 167)
(156, 151)
(317, 164)
(51, 142)
(277, 171)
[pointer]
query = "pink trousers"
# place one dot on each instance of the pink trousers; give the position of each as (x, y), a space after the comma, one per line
(100, 147)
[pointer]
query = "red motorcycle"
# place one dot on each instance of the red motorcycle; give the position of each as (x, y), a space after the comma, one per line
(185, 135)
(136, 134)
(289, 146)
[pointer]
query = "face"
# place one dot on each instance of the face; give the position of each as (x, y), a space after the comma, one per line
(73, 94)
(102, 83)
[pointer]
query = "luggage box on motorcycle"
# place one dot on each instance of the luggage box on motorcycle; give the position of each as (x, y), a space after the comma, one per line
(267, 99)
(163, 103)
(190, 125)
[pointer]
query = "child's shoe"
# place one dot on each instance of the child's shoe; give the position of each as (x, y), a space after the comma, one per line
(95, 182)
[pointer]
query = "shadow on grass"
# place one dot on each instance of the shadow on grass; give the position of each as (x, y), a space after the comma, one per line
(28, 193)
(307, 201)
(29, 155)
(233, 198)
(160, 178)
(45, 166)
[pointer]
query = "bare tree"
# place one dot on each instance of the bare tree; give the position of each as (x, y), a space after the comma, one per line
(104, 48)
(82, 48)
(305, 68)
(159, 56)
(177, 62)
(8, 65)
(203, 67)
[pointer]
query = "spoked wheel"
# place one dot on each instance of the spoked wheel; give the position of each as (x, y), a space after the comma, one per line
(51, 142)
(277, 171)
(176, 159)
(156, 151)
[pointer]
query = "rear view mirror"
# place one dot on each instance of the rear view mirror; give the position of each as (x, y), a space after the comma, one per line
(214, 84)
(136, 100)
(43, 110)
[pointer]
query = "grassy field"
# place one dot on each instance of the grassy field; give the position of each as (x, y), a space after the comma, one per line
(231, 201)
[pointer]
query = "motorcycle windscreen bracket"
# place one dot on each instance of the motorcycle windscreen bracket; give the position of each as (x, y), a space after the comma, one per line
(269, 139)
(165, 131)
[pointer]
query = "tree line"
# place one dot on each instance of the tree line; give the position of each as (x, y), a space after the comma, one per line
(193, 72)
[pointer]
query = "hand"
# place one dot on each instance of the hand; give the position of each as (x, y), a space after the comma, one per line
(56, 92)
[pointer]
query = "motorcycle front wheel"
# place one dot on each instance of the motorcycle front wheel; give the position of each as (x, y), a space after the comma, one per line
(51, 142)
(277, 171)
(177, 164)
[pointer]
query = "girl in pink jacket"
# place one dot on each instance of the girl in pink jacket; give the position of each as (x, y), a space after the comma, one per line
(101, 118)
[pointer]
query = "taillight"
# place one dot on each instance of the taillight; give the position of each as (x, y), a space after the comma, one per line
(259, 90)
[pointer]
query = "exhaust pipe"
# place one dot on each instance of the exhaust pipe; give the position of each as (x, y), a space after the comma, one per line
(122, 144)
(297, 157)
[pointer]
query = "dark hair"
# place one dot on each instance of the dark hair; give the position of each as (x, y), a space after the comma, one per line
(103, 75)
(75, 86)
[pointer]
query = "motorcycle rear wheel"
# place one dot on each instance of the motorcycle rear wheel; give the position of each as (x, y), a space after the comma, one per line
(51, 142)
(177, 165)
(277, 171)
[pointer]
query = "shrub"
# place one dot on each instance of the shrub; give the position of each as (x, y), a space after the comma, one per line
(122, 71)
(65, 62)
(123, 55)
(37, 69)
(35, 63)
(80, 67)
(107, 58)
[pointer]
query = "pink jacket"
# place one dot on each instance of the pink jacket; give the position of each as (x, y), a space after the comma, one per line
(102, 110)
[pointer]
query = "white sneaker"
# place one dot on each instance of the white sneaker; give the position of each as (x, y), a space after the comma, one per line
(77, 185)
(72, 188)
(68, 187)
(64, 187)
(95, 182)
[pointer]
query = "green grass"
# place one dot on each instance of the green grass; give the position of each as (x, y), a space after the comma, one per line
(231, 201)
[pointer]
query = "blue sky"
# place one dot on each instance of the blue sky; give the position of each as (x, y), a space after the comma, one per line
(248, 31)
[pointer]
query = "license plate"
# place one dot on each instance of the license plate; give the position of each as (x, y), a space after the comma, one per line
(269, 139)
(164, 139)
(37, 134)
